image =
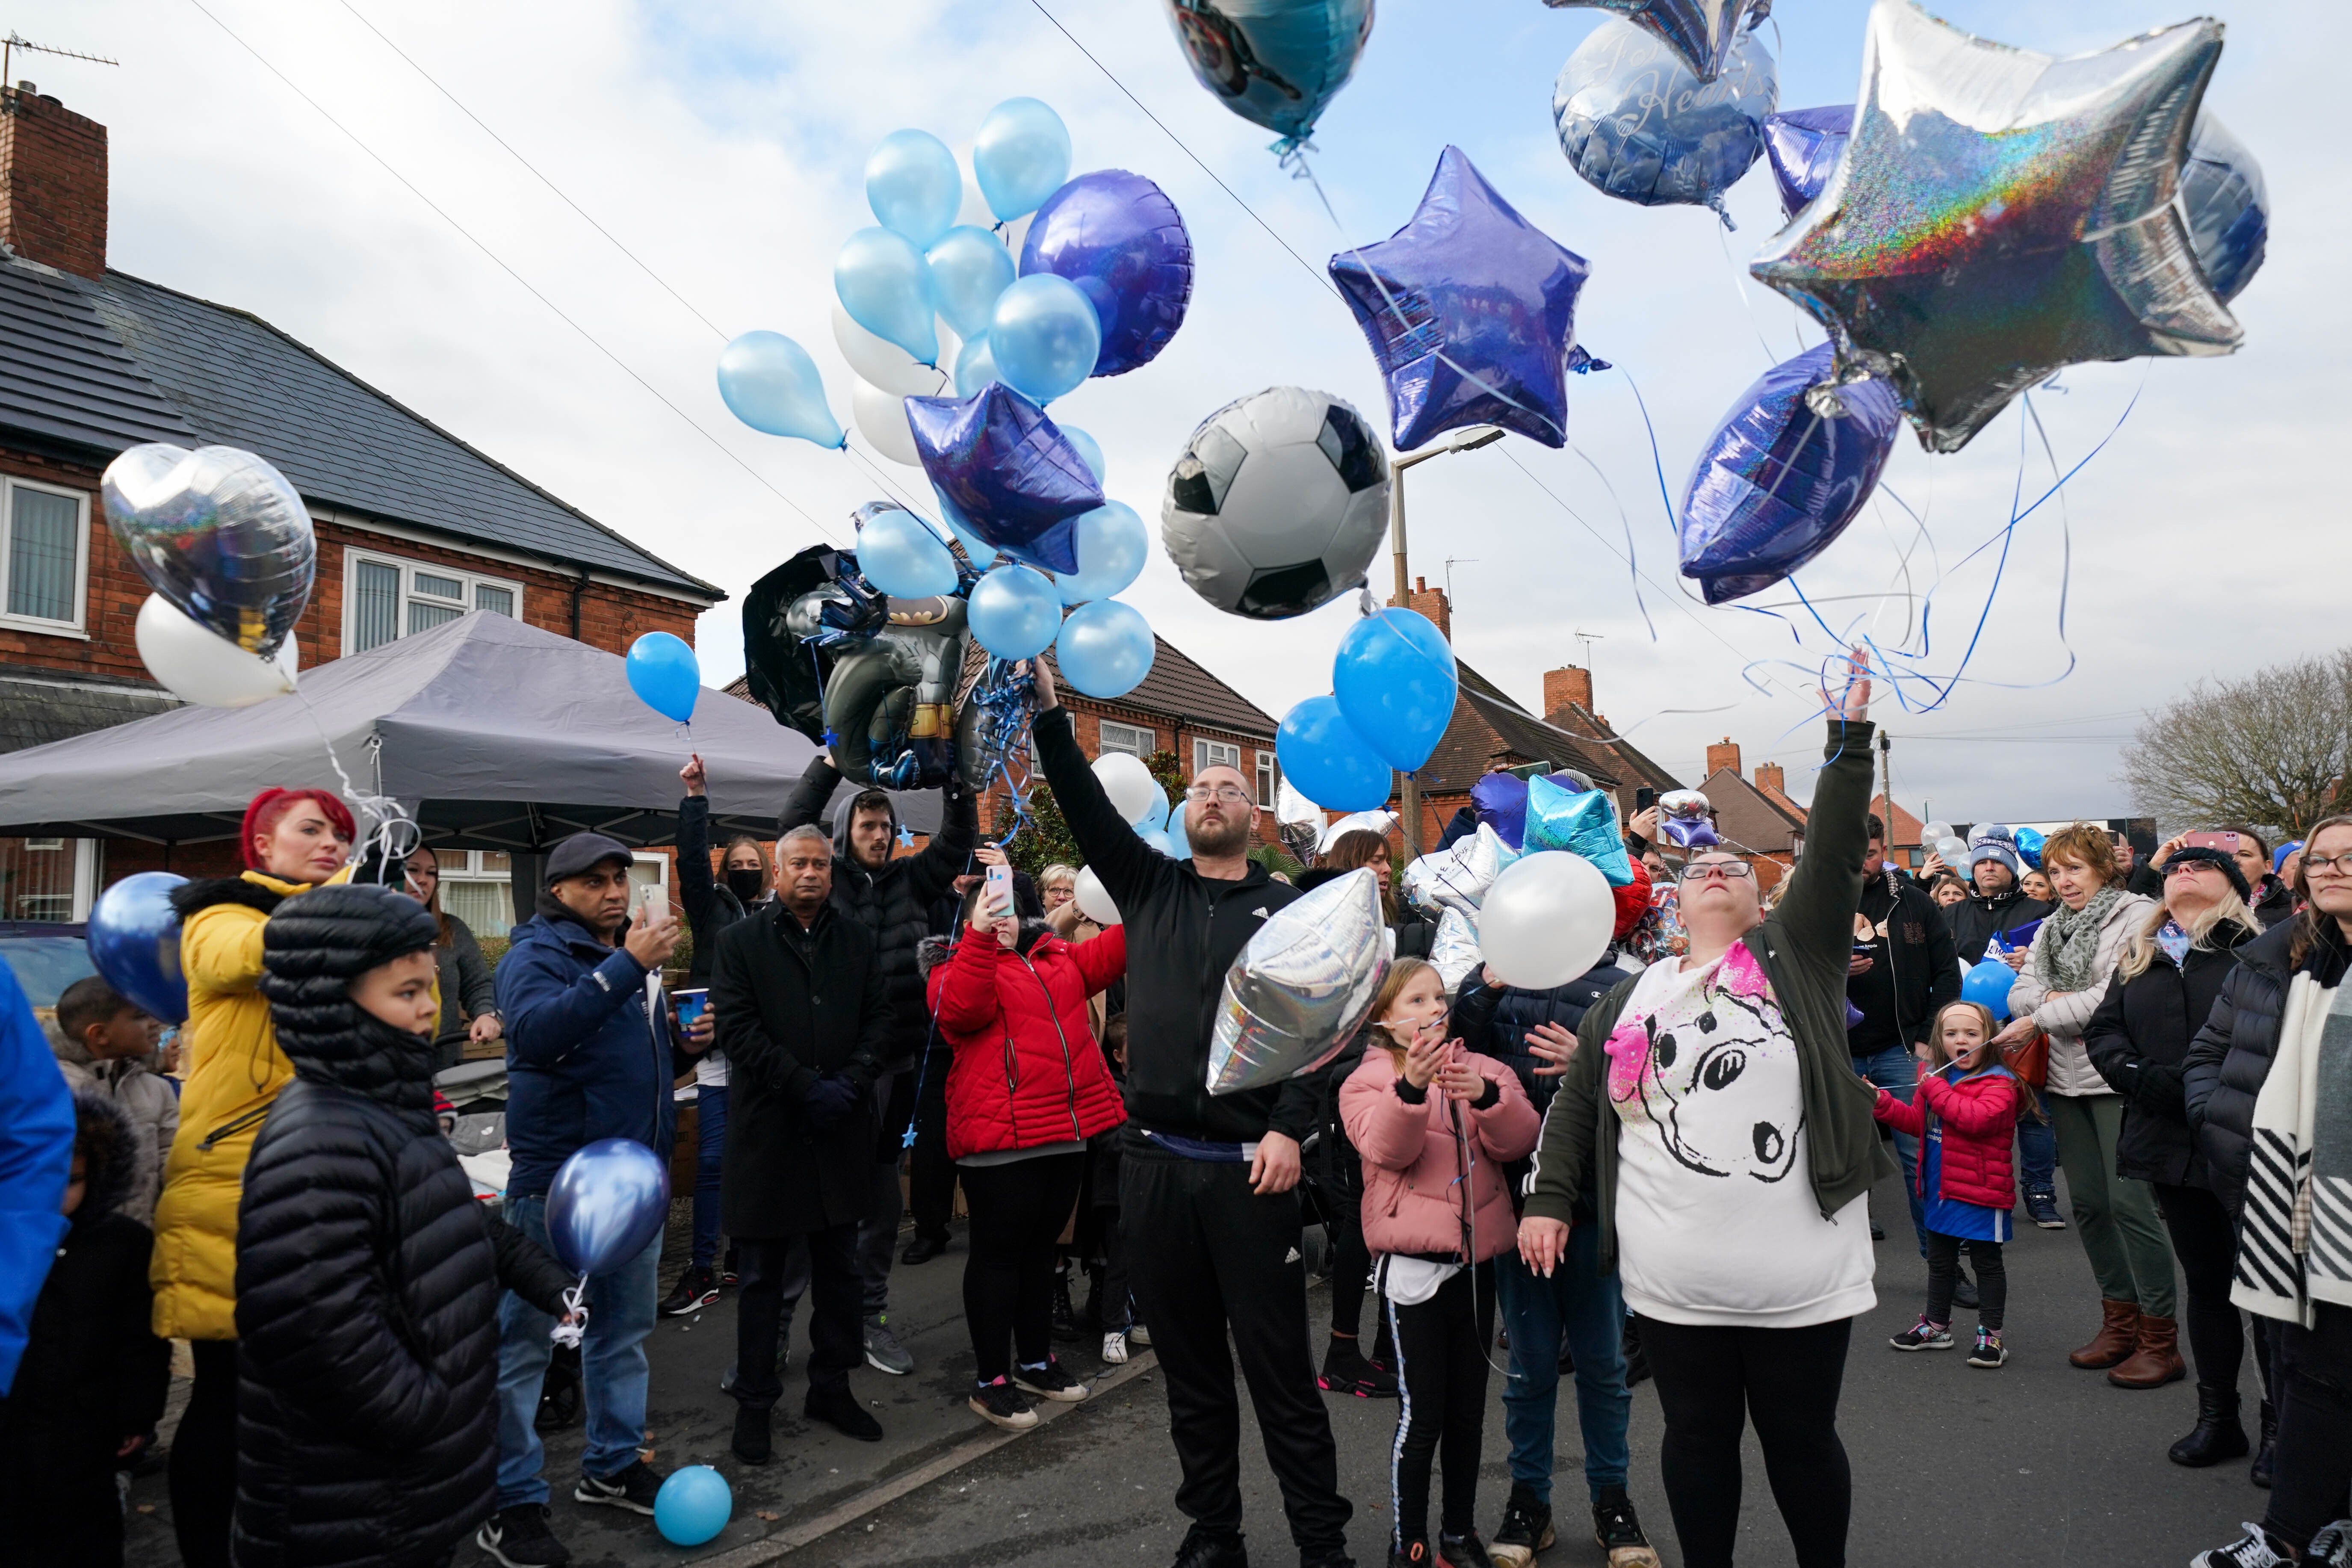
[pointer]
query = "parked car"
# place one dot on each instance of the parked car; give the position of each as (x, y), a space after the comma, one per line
(47, 956)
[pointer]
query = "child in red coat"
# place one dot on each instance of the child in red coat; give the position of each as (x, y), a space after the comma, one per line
(1963, 1116)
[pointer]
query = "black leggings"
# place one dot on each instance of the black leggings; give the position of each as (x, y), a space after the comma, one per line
(2206, 1244)
(1441, 1366)
(1352, 1270)
(203, 1479)
(2314, 1481)
(1017, 1211)
(1992, 1279)
(1712, 1381)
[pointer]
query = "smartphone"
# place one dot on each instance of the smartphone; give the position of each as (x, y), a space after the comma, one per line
(2227, 843)
(998, 896)
(1645, 797)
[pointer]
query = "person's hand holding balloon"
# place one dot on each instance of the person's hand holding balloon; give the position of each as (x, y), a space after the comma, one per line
(693, 778)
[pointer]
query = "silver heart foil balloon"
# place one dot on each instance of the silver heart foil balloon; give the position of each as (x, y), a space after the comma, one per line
(1686, 816)
(1301, 989)
(1457, 879)
(219, 533)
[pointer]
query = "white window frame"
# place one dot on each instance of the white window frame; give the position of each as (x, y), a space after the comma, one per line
(408, 569)
(79, 626)
(1133, 739)
(1208, 754)
(1269, 780)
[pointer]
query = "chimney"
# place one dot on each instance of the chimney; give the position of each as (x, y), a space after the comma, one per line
(1431, 603)
(1567, 685)
(1722, 756)
(1768, 776)
(52, 182)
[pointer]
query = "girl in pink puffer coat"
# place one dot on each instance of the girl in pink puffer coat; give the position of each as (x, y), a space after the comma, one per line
(1435, 1125)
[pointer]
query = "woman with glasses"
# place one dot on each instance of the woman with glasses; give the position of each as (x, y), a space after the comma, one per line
(2173, 966)
(2258, 1077)
(470, 995)
(1711, 1110)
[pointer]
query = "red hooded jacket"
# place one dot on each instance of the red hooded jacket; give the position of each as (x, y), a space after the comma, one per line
(1980, 1117)
(1027, 1070)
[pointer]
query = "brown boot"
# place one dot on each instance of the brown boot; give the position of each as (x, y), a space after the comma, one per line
(2156, 1361)
(2118, 1335)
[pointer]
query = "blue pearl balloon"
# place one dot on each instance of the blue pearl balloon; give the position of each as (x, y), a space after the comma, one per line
(1044, 337)
(976, 550)
(770, 383)
(903, 558)
(1021, 156)
(1326, 761)
(1014, 612)
(134, 942)
(1155, 815)
(886, 286)
(607, 1204)
(1105, 649)
(970, 268)
(1179, 842)
(914, 186)
(1112, 544)
(693, 1506)
(975, 366)
(1090, 449)
(1987, 986)
(664, 674)
(1394, 679)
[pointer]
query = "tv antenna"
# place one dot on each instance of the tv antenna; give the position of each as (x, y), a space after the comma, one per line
(1451, 562)
(11, 43)
(1588, 639)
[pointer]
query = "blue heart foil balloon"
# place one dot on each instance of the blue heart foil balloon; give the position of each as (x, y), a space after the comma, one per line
(219, 533)
(134, 942)
(1119, 237)
(1638, 125)
(606, 1204)
(1803, 147)
(1275, 63)
(1006, 473)
(1779, 481)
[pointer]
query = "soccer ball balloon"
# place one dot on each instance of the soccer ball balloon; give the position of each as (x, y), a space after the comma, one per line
(1278, 503)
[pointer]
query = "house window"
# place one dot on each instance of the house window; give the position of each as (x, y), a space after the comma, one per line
(1266, 784)
(45, 556)
(388, 598)
(475, 889)
(1128, 738)
(1216, 754)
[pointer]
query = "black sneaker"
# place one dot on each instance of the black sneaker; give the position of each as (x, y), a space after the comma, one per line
(1382, 1381)
(2332, 1547)
(2255, 1548)
(633, 1489)
(750, 1443)
(519, 1537)
(1924, 1335)
(1345, 1370)
(1049, 1382)
(697, 1288)
(727, 1275)
(2043, 1208)
(1411, 1554)
(1617, 1528)
(1990, 1354)
(1206, 1548)
(1000, 1404)
(1463, 1551)
(1526, 1530)
(839, 1408)
(923, 1249)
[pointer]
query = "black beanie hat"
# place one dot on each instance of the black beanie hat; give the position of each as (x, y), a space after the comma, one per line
(2221, 859)
(312, 948)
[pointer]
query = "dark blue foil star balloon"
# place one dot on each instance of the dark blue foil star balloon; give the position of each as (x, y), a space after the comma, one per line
(1803, 147)
(1999, 214)
(1701, 31)
(1007, 471)
(1777, 482)
(1119, 237)
(1471, 311)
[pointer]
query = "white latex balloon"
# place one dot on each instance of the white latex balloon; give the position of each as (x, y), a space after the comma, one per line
(1092, 900)
(881, 418)
(1378, 822)
(198, 665)
(883, 363)
(1545, 921)
(1132, 789)
(1935, 831)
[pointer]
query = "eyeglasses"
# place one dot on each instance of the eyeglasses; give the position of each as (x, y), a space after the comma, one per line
(1224, 795)
(1723, 869)
(2334, 865)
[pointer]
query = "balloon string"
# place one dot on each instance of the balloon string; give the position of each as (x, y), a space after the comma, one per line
(391, 834)
(569, 1335)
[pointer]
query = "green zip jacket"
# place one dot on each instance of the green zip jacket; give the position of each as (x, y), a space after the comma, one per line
(1802, 946)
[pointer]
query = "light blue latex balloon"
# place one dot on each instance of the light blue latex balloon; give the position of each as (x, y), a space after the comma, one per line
(914, 186)
(1105, 649)
(903, 558)
(1044, 337)
(1155, 815)
(970, 268)
(976, 550)
(1112, 544)
(1326, 761)
(1394, 679)
(770, 383)
(1021, 156)
(975, 367)
(1179, 842)
(693, 1505)
(664, 674)
(1015, 611)
(1090, 449)
(1988, 985)
(886, 286)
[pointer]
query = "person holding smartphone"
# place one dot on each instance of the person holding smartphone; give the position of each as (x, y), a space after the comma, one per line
(2268, 898)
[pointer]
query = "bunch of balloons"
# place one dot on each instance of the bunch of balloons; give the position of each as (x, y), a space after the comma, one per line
(1138, 798)
(1393, 685)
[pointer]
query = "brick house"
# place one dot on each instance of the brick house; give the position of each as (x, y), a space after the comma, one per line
(1756, 817)
(414, 526)
(1568, 705)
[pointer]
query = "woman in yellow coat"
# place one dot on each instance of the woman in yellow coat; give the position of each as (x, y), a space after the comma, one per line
(293, 840)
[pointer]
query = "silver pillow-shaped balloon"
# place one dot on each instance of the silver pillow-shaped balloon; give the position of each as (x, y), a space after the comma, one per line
(219, 533)
(1455, 949)
(1302, 986)
(1456, 878)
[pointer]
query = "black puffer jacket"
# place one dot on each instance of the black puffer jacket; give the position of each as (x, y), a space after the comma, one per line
(1975, 919)
(367, 1276)
(2139, 1039)
(2232, 1053)
(1495, 1021)
(892, 902)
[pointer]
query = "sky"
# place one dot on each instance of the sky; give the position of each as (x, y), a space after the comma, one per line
(722, 144)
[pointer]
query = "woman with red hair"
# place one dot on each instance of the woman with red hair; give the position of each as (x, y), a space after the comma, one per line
(292, 841)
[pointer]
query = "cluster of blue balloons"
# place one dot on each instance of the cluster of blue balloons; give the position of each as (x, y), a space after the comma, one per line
(1393, 685)
(665, 674)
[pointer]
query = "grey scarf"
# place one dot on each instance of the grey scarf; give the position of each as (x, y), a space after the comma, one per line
(2075, 939)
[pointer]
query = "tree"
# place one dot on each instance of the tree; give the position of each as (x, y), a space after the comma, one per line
(2273, 751)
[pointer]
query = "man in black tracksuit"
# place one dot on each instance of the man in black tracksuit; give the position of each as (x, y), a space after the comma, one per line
(1902, 980)
(1206, 1183)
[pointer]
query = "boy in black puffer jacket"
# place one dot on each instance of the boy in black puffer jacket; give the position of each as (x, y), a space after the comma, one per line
(367, 1276)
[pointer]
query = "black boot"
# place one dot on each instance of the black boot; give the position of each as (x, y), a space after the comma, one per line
(2219, 1435)
(750, 1443)
(2265, 1460)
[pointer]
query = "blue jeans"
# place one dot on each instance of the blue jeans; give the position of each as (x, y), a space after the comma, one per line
(1894, 1071)
(1581, 1305)
(2037, 1148)
(711, 1131)
(612, 1367)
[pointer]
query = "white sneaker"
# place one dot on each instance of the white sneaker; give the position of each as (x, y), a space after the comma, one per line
(2252, 1550)
(1114, 1349)
(1139, 1335)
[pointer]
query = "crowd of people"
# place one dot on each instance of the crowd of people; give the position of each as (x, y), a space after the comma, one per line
(1658, 1170)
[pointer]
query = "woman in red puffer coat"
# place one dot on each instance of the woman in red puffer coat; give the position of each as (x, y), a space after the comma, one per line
(1028, 1085)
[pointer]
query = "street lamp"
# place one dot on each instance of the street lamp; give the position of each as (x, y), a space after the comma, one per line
(1408, 789)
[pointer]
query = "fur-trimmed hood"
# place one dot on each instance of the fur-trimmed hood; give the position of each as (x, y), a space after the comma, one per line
(107, 1138)
(253, 889)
